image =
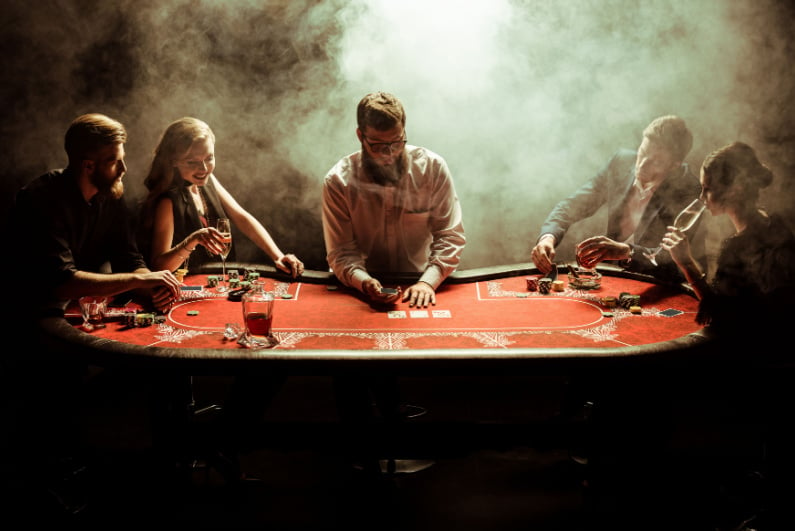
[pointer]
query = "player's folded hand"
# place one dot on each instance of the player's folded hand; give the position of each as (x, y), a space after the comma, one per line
(163, 299)
(675, 242)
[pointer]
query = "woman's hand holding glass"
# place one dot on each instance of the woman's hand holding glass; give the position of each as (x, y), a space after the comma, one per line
(683, 222)
(209, 238)
(675, 242)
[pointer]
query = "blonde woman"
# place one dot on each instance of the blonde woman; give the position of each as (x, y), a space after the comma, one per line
(185, 198)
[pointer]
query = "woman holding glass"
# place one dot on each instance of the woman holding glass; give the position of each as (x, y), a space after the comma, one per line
(182, 210)
(185, 200)
(755, 273)
(747, 310)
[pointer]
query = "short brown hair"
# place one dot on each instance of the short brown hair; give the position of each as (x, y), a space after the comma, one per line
(672, 132)
(89, 133)
(380, 110)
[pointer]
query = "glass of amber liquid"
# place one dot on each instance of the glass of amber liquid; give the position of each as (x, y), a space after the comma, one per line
(258, 318)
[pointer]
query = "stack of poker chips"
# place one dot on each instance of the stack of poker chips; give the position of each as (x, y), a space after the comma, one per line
(129, 318)
(212, 281)
(180, 274)
(609, 301)
(532, 283)
(252, 276)
(545, 285)
(232, 273)
(627, 300)
(133, 318)
(144, 319)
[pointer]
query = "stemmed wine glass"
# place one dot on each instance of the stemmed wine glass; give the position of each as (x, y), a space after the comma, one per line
(225, 229)
(684, 222)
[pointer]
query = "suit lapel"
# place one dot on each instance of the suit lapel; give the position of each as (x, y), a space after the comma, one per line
(618, 200)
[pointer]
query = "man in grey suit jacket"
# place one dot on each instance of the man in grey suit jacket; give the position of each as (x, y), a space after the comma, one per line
(644, 190)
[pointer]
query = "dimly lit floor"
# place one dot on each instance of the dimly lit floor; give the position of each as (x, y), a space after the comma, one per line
(501, 462)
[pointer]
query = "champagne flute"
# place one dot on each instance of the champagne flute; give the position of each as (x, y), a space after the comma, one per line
(225, 229)
(684, 222)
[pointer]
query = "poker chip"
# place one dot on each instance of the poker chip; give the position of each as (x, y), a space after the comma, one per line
(286, 296)
(627, 300)
(144, 319)
(609, 301)
(532, 283)
(331, 288)
(545, 285)
(193, 312)
(635, 309)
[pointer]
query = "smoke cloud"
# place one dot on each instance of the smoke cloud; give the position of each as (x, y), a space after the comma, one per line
(525, 99)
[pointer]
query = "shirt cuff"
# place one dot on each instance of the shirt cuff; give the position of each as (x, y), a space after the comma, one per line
(358, 277)
(554, 239)
(432, 276)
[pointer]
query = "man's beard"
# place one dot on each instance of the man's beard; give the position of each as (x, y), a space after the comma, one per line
(113, 189)
(389, 174)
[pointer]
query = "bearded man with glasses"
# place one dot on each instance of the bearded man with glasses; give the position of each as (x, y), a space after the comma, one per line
(391, 208)
(388, 209)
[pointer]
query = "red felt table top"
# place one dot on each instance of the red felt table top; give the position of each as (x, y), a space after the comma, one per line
(498, 313)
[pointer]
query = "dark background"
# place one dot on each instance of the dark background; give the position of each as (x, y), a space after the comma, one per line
(525, 99)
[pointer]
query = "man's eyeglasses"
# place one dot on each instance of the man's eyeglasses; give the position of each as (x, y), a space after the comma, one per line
(385, 148)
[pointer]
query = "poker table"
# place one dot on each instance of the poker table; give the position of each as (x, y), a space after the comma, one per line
(484, 320)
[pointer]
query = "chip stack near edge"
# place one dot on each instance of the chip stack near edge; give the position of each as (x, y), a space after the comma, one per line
(545, 285)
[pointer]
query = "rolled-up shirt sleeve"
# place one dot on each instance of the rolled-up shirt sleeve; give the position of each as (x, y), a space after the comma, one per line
(342, 252)
(447, 229)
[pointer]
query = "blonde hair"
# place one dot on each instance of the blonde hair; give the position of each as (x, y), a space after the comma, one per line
(176, 141)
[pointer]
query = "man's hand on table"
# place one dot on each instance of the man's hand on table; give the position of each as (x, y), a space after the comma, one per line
(420, 295)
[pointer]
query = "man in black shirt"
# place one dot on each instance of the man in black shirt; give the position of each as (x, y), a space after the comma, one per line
(72, 230)
(74, 226)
